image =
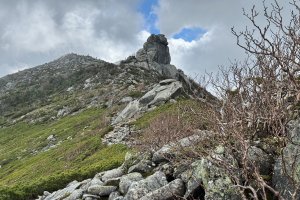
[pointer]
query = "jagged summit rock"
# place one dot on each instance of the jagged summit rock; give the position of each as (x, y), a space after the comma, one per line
(155, 50)
(154, 55)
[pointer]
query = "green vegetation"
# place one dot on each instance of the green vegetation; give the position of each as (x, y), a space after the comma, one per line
(189, 110)
(26, 170)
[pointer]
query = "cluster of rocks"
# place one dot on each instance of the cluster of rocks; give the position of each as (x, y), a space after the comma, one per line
(152, 176)
(161, 93)
(119, 134)
(154, 56)
(166, 90)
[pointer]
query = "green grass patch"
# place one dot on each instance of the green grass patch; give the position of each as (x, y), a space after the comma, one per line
(27, 170)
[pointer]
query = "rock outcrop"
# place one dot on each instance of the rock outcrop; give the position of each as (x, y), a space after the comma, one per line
(161, 93)
(155, 50)
(154, 56)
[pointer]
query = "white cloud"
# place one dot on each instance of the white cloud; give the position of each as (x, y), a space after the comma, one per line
(35, 32)
(32, 30)
(215, 48)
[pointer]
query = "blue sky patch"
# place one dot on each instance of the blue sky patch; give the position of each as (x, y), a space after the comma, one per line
(146, 8)
(190, 34)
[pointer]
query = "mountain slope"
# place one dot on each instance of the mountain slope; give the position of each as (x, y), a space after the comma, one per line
(53, 116)
(67, 85)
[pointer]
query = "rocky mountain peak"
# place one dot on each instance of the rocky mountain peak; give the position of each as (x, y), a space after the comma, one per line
(154, 56)
(155, 50)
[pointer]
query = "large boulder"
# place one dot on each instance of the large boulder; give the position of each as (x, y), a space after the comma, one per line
(206, 179)
(263, 161)
(141, 188)
(127, 180)
(129, 111)
(170, 150)
(154, 55)
(162, 92)
(114, 173)
(101, 190)
(155, 50)
(172, 190)
(144, 166)
(286, 175)
(76, 194)
(64, 193)
(114, 196)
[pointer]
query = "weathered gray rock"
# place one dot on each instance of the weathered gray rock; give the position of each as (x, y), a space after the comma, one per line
(155, 50)
(101, 190)
(148, 97)
(172, 190)
(114, 173)
(129, 111)
(130, 159)
(154, 56)
(89, 182)
(114, 195)
(166, 168)
(63, 112)
(144, 166)
(263, 161)
(112, 182)
(118, 135)
(77, 194)
(163, 154)
(96, 181)
(169, 71)
(64, 193)
(119, 198)
(169, 150)
(46, 193)
(287, 169)
(141, 188)
(127, 180)
(51, 138)
(167, 81)
(162, 93)
(204, 175)
(90, 197)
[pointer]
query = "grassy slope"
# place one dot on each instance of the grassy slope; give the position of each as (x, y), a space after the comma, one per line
(26, 174)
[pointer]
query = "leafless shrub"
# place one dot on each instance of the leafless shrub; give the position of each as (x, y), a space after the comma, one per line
(259, 95)
(171, 126)
(163, 130)
(259, 98)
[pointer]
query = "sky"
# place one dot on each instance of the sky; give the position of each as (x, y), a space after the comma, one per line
(33, 32)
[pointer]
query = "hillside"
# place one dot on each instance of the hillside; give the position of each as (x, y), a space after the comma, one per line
(66, 85)
(82, 128)
(53, 116)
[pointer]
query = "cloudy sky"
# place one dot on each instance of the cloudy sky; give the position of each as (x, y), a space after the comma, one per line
(33, 32)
